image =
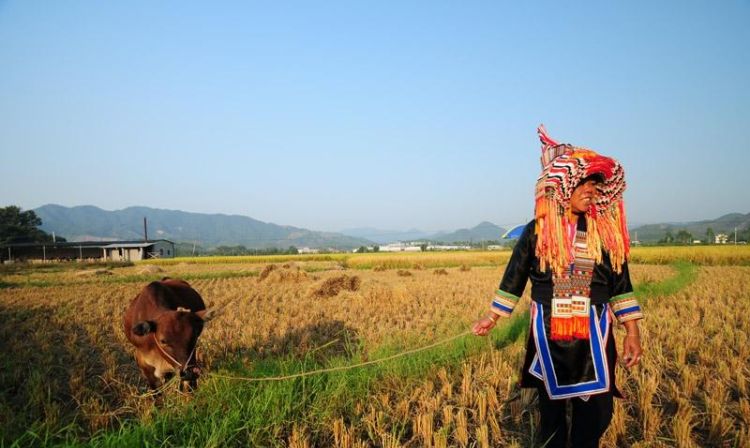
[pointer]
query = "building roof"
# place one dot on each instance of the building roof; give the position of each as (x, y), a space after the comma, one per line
(89, 244)
(127, 245)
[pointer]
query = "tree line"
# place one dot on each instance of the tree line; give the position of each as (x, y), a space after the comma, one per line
(683, 236)
(17, 226)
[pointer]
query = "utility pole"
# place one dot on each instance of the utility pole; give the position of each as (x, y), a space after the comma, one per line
(735, 235)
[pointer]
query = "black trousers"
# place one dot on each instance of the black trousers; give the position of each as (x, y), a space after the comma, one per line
(590, 419)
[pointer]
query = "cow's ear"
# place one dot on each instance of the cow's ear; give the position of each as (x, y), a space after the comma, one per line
(207, 315)
(144, 327)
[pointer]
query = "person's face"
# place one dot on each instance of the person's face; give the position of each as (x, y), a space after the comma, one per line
(584, 195)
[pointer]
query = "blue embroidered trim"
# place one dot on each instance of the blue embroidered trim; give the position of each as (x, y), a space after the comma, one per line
(627, 310)
(542, 366)
(502, 307)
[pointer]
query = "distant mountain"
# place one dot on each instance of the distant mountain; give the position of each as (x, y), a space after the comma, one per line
(89, 223)
(484, 231)
(385, 236)
(652, 233)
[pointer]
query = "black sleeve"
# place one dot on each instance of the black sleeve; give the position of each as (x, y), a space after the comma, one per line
(620, 282)
(517, 271)
(623, 302)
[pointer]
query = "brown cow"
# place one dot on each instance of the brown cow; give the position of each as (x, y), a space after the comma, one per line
(163, 322)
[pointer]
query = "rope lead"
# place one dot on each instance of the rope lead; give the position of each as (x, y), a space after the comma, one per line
(340, 368)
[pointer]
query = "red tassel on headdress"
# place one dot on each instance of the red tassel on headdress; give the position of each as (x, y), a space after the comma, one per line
(561, 168)
(592, 211)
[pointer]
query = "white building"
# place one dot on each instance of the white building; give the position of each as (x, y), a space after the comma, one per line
(399, 247)
(307, 250)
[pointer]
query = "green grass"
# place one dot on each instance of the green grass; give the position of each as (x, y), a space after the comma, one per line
(135, 278)
(684, 275)
(52, 267)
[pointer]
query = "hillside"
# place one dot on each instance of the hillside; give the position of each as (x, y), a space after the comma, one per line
(484, 231)
(385, 236)
(86, 223)
(651, 233)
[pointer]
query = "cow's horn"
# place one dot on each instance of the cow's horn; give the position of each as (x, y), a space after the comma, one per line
(182, 310)
(207, 315)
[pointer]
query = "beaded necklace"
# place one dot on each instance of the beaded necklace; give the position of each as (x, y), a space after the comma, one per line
(571, 291)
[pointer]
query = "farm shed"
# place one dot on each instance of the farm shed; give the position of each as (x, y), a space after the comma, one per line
(125, 251)
(88, 250)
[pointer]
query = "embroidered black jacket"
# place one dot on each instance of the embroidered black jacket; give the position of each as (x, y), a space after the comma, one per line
(524, 265)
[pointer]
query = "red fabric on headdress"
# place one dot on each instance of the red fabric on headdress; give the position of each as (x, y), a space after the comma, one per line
(563, 167)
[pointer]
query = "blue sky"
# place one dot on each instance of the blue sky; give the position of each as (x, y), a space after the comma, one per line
(332, 115)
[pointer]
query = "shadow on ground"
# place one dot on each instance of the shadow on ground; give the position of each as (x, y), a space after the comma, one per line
(317, 343)
(55, 381)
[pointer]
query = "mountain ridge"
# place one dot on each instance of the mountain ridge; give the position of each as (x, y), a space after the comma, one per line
(650, 233)
(210, 230)
(484, 231)
(91, 223)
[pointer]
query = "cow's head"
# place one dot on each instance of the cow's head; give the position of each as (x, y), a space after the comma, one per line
(175, 335)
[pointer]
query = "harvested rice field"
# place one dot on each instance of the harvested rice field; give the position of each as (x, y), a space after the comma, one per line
(69, 377)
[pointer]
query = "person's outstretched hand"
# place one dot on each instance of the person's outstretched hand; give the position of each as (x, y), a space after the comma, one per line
(483, 326)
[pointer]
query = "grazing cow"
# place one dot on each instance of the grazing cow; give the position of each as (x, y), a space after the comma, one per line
(163, 322)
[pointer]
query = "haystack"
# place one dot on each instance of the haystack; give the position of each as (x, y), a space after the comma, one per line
(332, 286)
(285, 274)
(267, 271)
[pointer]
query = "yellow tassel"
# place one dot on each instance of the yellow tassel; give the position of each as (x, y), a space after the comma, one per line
(607, 232)
(581, 327)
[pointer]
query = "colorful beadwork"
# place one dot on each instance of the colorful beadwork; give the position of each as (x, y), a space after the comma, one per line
(571, 290)
(563, 168)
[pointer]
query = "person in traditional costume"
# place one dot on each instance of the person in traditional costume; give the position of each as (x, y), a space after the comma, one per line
(575, 253)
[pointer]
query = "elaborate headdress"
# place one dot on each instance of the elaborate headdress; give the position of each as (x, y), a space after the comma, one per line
(563, 168)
